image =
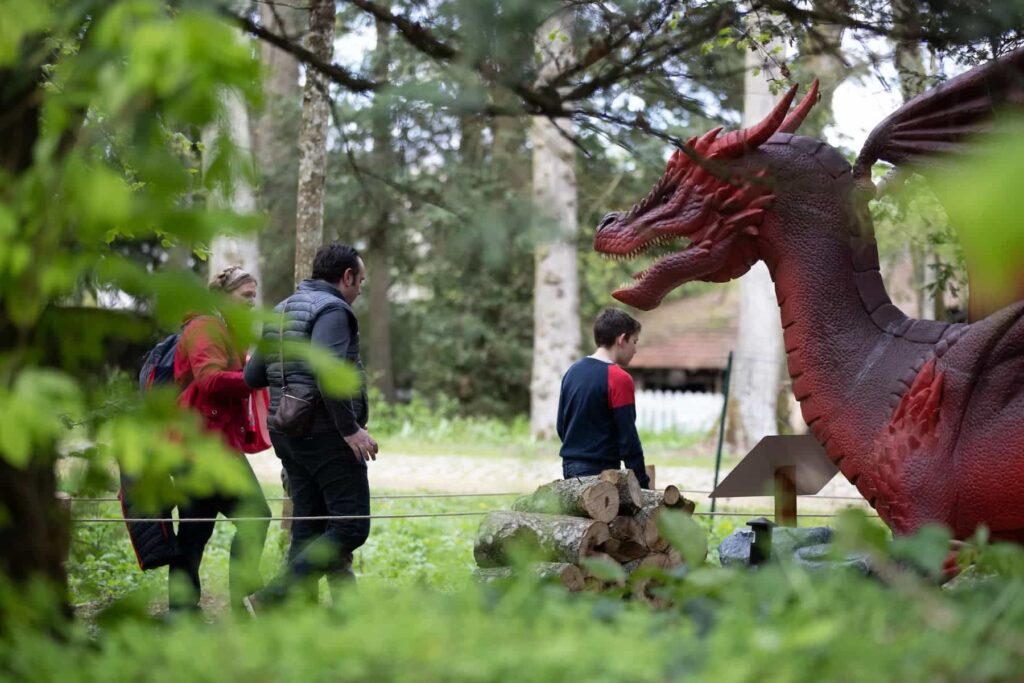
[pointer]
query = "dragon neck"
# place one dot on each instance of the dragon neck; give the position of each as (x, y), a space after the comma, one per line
(838, 322)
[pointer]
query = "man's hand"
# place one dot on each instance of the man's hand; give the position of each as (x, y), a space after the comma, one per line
(363, 445)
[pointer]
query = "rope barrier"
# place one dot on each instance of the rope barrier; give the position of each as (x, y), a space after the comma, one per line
(271, 499)
(413, 496)
(419, 515)
(762, 514)
(318, 518)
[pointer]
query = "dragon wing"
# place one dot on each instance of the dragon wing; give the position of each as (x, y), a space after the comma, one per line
(937, 123)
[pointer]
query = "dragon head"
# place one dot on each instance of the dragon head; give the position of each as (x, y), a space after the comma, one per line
(698, 202)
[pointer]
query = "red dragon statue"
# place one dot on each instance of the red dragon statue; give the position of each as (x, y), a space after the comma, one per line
(925, 418)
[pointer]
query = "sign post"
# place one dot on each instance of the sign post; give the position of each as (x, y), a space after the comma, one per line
(783, 467)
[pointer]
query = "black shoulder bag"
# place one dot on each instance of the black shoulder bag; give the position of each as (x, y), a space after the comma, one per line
(297, 406)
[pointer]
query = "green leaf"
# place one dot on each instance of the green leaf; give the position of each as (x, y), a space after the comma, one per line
(927, 549)
(19, 19)
(983, 198)
(605, 569)
(33, 412)
(855, 532)
(337, 378)
(685, 535)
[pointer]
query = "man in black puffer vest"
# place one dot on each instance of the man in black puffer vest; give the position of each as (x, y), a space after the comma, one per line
(326, 469)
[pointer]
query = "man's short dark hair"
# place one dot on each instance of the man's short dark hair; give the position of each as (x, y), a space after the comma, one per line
(332, 260)
(611, 323)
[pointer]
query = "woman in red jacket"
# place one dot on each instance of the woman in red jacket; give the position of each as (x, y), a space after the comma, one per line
(208, 367)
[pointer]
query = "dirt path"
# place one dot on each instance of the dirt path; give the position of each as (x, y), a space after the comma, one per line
(399, 472)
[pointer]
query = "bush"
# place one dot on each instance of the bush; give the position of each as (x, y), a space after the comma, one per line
(777, 624)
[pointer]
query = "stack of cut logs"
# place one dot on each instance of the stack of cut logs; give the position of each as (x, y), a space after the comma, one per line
(567, 521)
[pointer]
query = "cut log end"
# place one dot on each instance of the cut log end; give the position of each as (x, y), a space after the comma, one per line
(672, 497)
(593, 538)
(624, 551)
(601, 501)
(630, 493)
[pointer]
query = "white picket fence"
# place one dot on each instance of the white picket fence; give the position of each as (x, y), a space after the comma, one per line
(682, 411)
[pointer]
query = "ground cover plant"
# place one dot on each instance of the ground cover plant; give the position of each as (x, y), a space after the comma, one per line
(780, 623)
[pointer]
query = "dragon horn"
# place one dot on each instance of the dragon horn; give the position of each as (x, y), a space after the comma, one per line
(736, 142)
(704, 143)
(797, 116)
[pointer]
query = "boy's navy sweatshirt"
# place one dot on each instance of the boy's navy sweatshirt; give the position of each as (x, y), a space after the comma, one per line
(597, 415)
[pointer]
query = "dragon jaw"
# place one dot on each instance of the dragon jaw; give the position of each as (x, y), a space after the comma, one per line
(715, 224)
(699, 203)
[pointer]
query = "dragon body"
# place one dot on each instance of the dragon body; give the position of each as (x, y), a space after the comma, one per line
(925, 418)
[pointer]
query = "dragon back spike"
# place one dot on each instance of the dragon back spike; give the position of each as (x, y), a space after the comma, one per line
(800, 112)
(737, 142)
(706, 141)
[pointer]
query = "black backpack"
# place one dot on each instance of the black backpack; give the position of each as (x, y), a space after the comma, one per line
(154, 542)
(158, 364)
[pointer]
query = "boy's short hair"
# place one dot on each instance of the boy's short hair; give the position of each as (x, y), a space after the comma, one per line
(332, 260)
(611, 323)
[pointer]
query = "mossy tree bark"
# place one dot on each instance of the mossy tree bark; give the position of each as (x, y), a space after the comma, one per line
(580, 497)
(554, 538)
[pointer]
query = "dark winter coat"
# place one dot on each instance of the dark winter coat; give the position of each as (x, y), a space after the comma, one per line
(315, 313)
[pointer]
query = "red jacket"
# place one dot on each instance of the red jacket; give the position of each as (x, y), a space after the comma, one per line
(208, 364)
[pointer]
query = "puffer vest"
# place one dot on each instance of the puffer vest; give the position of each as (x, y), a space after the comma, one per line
(299, 313)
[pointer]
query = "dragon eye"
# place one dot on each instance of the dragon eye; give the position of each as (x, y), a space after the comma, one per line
(608, 220)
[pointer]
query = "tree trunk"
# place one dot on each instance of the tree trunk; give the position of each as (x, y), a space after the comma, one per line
(756, 371)
(275, 143)
(569, 575)
(34, 531)
(820, 58)
(235, 250)
(630, 493)
(913, 79)
(556, 336)
(34, 538)
(580, 497)
(555, 538)
(309, 223)
(377, 261)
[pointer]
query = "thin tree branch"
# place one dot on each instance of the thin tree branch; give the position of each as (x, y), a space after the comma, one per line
(335, 72)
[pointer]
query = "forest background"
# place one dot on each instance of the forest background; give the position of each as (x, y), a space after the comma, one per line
(126, 175)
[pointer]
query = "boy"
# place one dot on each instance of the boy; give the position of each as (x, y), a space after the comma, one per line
(596, 408)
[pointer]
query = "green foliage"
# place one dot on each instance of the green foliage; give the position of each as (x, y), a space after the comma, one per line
(685, 535)
(912, 222)
(987, 217)
(780, 623)
(35, 406)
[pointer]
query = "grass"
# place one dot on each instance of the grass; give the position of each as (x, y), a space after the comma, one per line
(431, 551)
(437, 551)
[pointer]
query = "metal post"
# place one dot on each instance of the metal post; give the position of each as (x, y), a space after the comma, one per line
(761, 545)
(721, 423)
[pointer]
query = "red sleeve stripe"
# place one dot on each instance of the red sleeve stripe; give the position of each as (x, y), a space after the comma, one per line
(620, 387)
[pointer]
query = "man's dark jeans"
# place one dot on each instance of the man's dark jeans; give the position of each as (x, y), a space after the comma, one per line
(586, 468)
(246, 546)
(324, 478)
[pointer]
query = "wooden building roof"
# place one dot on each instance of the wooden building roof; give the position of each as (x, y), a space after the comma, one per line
(692, 333)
